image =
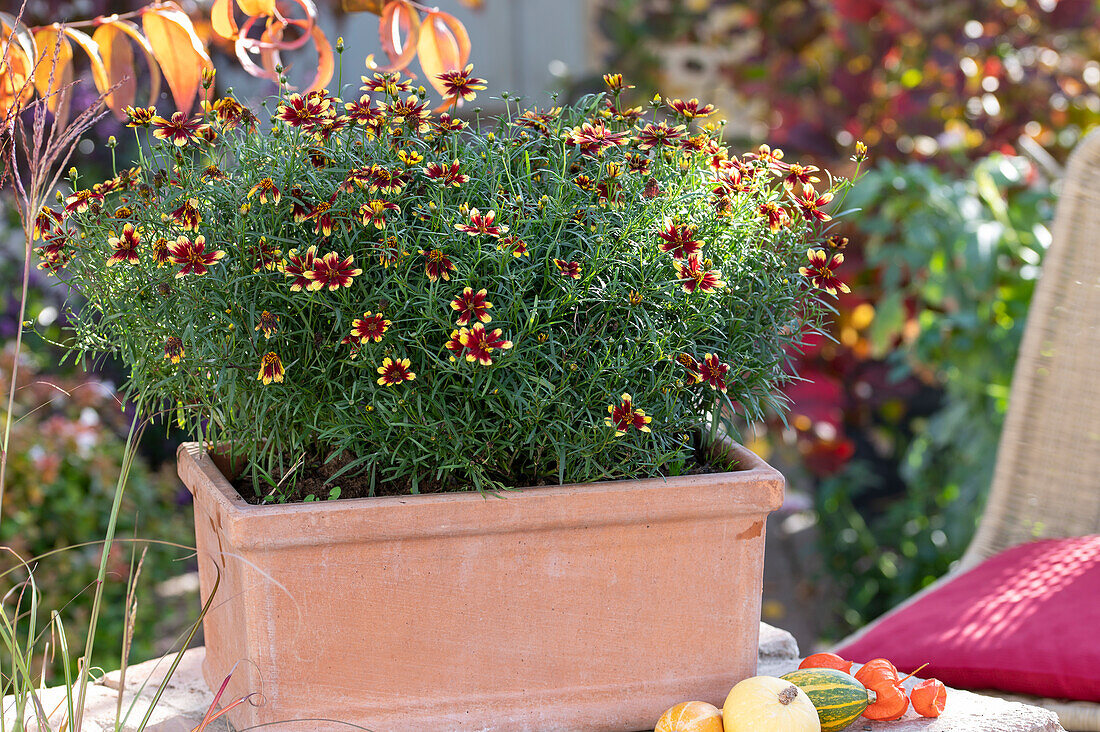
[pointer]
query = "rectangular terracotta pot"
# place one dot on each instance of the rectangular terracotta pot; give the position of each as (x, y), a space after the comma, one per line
(577, 607)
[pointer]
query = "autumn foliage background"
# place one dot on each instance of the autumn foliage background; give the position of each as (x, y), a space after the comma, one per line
(970, 108)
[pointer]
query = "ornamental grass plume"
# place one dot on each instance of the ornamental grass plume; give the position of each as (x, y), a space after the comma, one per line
(555, 295)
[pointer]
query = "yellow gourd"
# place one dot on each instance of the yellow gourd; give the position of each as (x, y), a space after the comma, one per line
(692, 716)
(768, 704)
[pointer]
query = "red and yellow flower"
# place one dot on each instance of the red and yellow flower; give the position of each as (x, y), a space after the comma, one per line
(363, 112)
(269, 323)
(615, 83)
(271, 369)
(410, 112)
(173, 349)
(192, 255)
(593, 139)
(186, 215)
(332, 272)
(308, 111)
(820, 271)
(46, 222)
(517, 246)
(322, 218)
(438, 265)
(691, 108)
(395, 371)
(371, 327)
(482, 224)
(624, 417)
(263, 255)
(139, 116)
(568, 269)
(161, 255)
(776, 216)
(696, 276)
(679, 239)
(179, 130)
(297, 265)
(448, 175)
(460, 84)
(267, 191)
(713, 372)
(471, 306)
(538, 121)
(125, 246)
(80, 201)
(391, 84)
(810, 203)
(659, 135)
(376, 211)
(800, 175)
(446, 124)
(478, 343)
(387, 180)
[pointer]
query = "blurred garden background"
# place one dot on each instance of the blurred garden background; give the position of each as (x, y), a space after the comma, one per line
(969, 109)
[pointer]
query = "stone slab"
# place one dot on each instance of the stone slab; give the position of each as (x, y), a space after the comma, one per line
(186, 698)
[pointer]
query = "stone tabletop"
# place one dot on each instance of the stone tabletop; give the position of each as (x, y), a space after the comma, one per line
(186, 699)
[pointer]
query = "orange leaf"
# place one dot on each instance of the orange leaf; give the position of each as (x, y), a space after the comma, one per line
(362, 6)
(131, 30)
(399, 31)
(438, 50)
(118, 60)
(179, 51)
(222, 20)
(54, 71)
(462, 38)
(99, 71)
(17, 64)
(257, 7)
(326, 62)
(11, 26)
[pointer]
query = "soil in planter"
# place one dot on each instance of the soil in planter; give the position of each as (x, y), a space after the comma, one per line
(315, 478)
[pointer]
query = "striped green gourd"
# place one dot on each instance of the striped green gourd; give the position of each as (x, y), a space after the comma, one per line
(837, 696)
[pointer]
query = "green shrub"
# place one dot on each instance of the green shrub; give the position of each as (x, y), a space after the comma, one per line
(314, 291)
(63, 464)
(959, 256)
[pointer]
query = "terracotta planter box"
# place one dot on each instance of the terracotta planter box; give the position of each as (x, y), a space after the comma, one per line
(580, 607)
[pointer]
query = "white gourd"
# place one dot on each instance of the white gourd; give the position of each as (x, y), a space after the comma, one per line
(768, 704)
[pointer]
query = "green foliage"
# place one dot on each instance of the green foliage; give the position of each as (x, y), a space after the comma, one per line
(586, 307)
(64, 462)
(961, 256)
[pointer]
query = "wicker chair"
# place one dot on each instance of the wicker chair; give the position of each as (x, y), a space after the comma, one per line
(1047, 478)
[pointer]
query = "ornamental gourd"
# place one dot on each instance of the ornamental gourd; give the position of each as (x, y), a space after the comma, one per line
(768, 703)
(692, 716)
(838, 698)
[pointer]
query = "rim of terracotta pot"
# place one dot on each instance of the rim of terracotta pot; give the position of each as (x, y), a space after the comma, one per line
(753, 489)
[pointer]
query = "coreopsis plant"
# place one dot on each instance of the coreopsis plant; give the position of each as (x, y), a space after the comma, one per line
(406, 302)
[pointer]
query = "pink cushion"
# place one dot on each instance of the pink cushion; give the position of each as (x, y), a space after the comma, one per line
(1025, 621)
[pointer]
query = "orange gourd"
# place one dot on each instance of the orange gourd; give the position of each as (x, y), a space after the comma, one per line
(826, 660)
(876, 673)
(881, 677)
(929, 698)
(890, 703)
(692, 716)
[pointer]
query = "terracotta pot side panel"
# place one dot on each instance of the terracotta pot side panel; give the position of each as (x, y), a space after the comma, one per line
(596, 627)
